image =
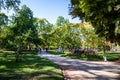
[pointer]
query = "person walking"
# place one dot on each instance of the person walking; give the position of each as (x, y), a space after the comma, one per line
(40, 50)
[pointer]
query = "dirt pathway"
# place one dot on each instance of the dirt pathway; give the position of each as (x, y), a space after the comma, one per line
(74, 69)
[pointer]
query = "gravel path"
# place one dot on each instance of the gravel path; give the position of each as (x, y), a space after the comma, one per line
(74, 69)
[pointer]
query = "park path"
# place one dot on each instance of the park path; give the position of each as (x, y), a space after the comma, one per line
(74, 69)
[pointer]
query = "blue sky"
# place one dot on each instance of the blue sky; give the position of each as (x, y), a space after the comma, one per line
(50, 9)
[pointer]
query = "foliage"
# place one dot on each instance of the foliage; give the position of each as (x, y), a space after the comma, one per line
(3, 20)
(89, 38)
(61, 21)
(21, 33)
(104, 16)
(6, 38)
(32, 67)
(74, 36)
(66, 36)
(44, 27)
(25, 32)
(9, 4)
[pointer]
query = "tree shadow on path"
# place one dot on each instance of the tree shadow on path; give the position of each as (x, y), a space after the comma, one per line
(78, 70)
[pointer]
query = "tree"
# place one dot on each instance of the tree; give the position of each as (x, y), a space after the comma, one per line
(61, 20)
(88, 36)
(103, 14)
(9, 4)
(66, 36)
(23, 28)
(3, 20)
(6, 38)
(24, 23)
(43, 27)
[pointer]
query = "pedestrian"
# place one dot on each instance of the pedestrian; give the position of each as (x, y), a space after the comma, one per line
(40, 50)
(46, 49)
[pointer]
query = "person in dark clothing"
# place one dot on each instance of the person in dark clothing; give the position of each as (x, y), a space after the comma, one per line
(46, 49)
(40, 50)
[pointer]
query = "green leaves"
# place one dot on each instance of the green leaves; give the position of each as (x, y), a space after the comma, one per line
(103, 14)
(61, 21)
(66, 36)
(9, 4)
(43, 26)
(109, 8)
(3, 20)
(21, 32)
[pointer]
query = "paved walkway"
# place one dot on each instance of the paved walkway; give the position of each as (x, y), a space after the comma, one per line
(74, 69)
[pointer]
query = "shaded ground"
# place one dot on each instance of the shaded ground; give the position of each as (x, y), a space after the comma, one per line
(74, 69)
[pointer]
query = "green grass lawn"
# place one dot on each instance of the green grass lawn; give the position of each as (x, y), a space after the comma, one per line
(32, 67)
(98, 57)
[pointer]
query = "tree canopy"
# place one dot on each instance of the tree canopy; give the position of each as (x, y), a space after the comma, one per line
(9, 4)
(21, 32)
(24, 26)
(61, 21)
(3, 19)
(104, 15)
(44, 27)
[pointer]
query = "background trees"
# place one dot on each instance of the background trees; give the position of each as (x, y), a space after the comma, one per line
(89, 38)
(9, 4)
(3, 20)
(104, 16)
(66, 36)
(21, 33)
(44, 27)
(25, 32)
(5, 32)
(61, 21)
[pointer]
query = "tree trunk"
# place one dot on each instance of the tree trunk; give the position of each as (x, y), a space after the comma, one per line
(18, 52)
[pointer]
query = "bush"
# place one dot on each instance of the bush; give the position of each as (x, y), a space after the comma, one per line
(84, 51)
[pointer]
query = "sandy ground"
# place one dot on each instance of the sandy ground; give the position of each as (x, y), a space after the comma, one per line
(74, 69)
